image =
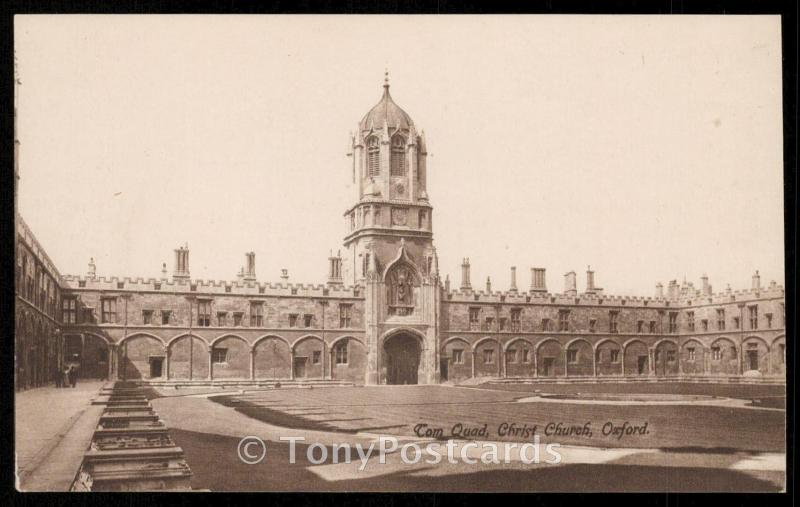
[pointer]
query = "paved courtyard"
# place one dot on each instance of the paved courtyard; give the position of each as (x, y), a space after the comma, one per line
(52, 429)
(688, 445)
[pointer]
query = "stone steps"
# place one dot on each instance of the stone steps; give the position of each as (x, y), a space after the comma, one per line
(131, 449)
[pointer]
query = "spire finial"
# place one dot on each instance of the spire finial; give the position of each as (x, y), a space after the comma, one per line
(386, 78)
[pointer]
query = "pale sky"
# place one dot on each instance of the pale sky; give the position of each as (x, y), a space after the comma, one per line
(648, 147)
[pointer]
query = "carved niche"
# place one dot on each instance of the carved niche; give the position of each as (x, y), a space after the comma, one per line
(400, 216)
(402, 286)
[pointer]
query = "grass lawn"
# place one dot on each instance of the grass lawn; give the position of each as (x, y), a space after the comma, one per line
(397, 410)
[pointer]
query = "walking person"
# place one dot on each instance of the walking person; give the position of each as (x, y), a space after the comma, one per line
(73, 375)
(58, 378)
(65, 377)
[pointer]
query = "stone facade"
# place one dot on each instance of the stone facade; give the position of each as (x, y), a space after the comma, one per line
(37, 315)
(384, 315)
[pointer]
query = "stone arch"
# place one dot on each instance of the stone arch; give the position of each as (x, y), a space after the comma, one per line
(272, 357)
(188, 357)
(665, 357)
(180, 336)
(636, 358)
(608, 357)
(777, 358)
(306, 337)
(141, 333)
(755, 355)
(693, 357)
(579, 357)
(139, 354)
(348, 359)
(308, 354)
(456, 355)
(403, 329)
(230, 357)
(273, 336)
(456, 339)
(550, 358)
(402, 357)
(487, 357)
(347, 337)
(723, 356)
(228, 335)
(518, 354)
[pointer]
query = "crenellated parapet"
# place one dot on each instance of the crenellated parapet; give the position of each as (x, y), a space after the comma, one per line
(512, 297)
(208, 287)
(28, 238)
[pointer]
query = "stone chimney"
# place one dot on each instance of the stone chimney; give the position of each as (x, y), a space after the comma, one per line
(92, 272)
(250, 267)
(706, 285)
(513, 288)
(285, 275)
(756, 281)
(570, 285)
(659, 290)
(335, 268)
(465, 284)
(673, 291)
(488, 285)
(164, 270)
(181, 263)
(537, 280)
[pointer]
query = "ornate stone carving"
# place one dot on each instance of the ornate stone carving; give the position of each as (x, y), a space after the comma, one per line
(400, 216)
(402, 283)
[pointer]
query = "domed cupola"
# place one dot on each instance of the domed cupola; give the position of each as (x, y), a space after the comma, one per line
(386, 114)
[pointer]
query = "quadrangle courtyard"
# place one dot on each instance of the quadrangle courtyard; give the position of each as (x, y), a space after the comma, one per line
(692, 437)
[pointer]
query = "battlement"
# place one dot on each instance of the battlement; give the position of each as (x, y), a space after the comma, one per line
(592, 299)
(209, 287)
(733, 296)
(544, 298)
(38, 251)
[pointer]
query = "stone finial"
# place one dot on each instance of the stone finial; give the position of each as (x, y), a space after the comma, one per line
(447, 283)
(488, 285)
(92, 272)
(513, 286)
(285, 275)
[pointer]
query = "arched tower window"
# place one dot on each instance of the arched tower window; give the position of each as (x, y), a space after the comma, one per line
(373, 156)
(398, 156)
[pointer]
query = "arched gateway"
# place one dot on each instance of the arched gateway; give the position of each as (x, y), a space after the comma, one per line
(402, 354)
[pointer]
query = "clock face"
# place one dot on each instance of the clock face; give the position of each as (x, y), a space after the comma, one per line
(400, 189)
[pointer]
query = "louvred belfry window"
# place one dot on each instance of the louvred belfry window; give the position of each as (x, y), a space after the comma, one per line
(373, 156)
(398, 156)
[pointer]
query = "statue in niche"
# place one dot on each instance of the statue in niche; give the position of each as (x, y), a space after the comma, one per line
(401, 284)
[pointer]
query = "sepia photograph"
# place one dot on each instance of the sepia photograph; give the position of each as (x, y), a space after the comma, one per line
(473, 253)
